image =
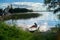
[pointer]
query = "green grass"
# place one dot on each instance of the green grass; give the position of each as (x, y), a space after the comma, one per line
(13, 33)
(8, 32)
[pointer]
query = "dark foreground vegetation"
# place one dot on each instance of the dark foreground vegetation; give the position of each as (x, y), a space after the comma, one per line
(14, 33)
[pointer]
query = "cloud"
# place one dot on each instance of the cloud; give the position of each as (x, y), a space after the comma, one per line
(33, 5)
(29, 5)
(3, 5)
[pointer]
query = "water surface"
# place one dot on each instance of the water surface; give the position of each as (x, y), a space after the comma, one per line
(47, 17)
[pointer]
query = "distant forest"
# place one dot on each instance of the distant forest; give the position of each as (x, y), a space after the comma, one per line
(18, 10)
(10, 9)
(15, 10)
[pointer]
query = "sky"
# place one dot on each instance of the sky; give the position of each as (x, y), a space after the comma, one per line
(9, 1)
(30, 4)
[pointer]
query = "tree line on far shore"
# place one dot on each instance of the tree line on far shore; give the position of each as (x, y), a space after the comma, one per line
(18, 10)
(14, 10)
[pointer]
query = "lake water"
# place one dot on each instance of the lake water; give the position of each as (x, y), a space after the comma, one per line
(48, 17)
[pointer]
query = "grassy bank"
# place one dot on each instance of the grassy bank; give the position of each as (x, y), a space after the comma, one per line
(14, 33)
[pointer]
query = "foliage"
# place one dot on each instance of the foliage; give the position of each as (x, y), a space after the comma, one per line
(1, 11)
(13, 33)
(47, 1)
(44, 36)
(18, 10)
(57, 10)
(58, 31)
(58, 16)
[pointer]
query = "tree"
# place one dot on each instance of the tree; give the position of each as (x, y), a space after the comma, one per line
(53, 4)
(1, 12)
(47, 1)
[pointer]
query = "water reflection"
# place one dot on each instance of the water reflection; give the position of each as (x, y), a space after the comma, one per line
(17, 16)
